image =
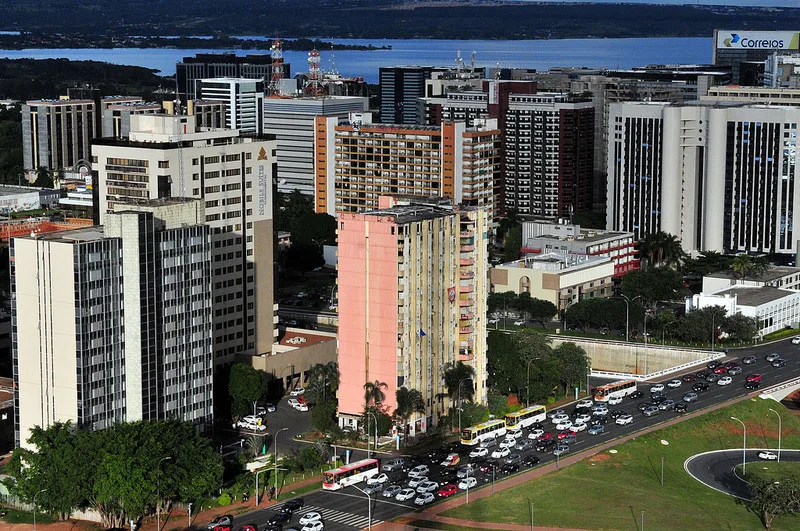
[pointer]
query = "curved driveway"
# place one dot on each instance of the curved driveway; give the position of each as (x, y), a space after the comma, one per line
(717, 469)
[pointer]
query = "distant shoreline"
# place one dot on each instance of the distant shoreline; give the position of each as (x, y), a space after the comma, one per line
(25, 40)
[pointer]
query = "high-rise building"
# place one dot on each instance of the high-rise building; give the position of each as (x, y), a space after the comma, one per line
(357, 162)
(243, 98)
(402, 87)
(412, 301)
(57, 134)
(735, 48)
(165, 156)
(113, 323)
(209, 65)
(720, 177)
(292, 120)
(549, 150)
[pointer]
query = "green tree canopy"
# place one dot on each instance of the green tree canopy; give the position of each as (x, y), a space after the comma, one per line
(501, 302)
(769, 498)
(409, 401)
(374, 393)
(323, 381)
(513, 245)
(654, 284)
(246, 385)
(459, 375)
(573, 365)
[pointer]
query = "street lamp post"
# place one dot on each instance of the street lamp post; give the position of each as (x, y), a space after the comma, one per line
(645, 342)
(189, 513)
(627, 314)
(531, 516)
(158, 493)
(744, 447)
(779, 433)
(459, 400)
(369, 506)
(34, 507)
(275, 448)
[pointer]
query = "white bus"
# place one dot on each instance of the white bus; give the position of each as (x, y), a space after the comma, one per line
(526, 416)
(491, 429)
(620, 389)
(348, 474)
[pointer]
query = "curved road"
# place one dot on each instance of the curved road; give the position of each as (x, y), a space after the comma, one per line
(717, 469)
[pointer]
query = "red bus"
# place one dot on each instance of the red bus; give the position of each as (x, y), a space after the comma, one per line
(355, 472)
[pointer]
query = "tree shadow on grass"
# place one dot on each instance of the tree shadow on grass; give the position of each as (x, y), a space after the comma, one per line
(653, 468)
(635, 518)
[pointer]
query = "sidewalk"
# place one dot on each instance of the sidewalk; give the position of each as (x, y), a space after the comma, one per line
(434, 513)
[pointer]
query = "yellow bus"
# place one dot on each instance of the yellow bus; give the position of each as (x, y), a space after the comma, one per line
(485, 430)
(526, 416)
(615, 389)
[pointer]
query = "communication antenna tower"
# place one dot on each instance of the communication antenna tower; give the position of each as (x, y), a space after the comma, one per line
(314, 85)
(276, 51)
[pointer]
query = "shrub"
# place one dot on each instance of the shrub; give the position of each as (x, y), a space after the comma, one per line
(224, 499)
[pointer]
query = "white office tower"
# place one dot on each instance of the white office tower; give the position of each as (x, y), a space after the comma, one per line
(243, 98)
(113, 323)
(720, 176)
(233, 174)
(291, 120)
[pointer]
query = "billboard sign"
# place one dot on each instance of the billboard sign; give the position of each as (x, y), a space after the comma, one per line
(758, 40)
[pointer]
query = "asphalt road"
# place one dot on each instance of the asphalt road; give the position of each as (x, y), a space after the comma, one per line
(717, 469)
(347, 509)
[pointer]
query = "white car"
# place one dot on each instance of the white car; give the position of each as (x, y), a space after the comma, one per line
(501, 453)
(672, 384)
(622, 420)
(427, 486)
(254, 427)
(579, 426)
(769, 456)
(467, 483)
(301, 407)
(585, 403)
(560, 418)
(520, 322)
(565, 425)
(508, 443)
(307, 518)
(796, 341)
(416, 482)
(405, 494)
(614, 400)
(725, 380)
(494, 321)
(479, 452)
(515, 432)
(535, 434)
(424, 499)
(583, 417)
(380, 479)
(600, 409)
(657, 388)
(297, 391)
(555, 413)
(313, 526)
(418, 471)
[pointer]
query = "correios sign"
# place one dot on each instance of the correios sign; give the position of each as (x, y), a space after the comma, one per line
(758, 40)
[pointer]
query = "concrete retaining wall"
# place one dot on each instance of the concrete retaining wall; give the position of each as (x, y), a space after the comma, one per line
(634, 360)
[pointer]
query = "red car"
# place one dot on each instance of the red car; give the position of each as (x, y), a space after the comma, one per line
(722, 369)
(565, 433)
(447, 491)
(754, 378)
(546, 436)
(689, 378)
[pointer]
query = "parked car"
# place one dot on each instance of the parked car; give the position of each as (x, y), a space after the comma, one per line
(596, 429)
(531, 460)
(749, 360)
(699, 387)
(560, 450)
(725, 380)
(479, 452)
(672, 384)
(379, 479)
(636, 395)
(524, 445)
(391, 491)
(222, 520)
(427, 486)
(419, 471)
(424, 499)
(501, 453)
(373, 488)
(666, 404)
(466, 483)
(657, 388)
(755, 377)
(584, 403)
(465, 471)
(796, 340)
(614, 400)
(733, 371)
(535, 434)
(622, 420)
(297, 391)
(688, 378)
(309, 517)
(393, 464)
(447, 491)
(405, 494)
(451, 460)
(416, 482)
(681, 407)
(510, 468)
(689, 397)
(752, 385)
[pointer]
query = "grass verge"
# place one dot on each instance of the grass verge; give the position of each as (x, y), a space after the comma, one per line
(611, 489)
(14, 516)
(771, 470)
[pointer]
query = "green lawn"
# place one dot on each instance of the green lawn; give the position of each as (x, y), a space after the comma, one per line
(610, 490)
(772, 470)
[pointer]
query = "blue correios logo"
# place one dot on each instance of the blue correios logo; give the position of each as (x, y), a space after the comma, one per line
(733, 39)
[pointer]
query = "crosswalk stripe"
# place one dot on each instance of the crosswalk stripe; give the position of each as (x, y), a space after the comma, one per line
(340, 517)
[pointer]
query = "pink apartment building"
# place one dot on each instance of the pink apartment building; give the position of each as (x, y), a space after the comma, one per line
(412, 299)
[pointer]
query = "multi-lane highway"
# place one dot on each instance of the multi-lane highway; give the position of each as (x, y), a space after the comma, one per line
(348, 509)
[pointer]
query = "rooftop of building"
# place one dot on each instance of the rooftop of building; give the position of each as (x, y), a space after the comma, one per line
(577, 233)
(298, 338)
(10, 189)
(755, 296)
(135, 105)
(84, 234)
(411, 212)
(235, 137)
(773, 273)
(557, 262)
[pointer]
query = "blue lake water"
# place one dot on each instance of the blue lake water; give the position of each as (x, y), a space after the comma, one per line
(538, 54)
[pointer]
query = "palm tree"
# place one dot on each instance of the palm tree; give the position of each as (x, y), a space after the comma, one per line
(409, 401)
(741, 265)
(454, 375)
(373, 393)
(323, 381)
(661, 247)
